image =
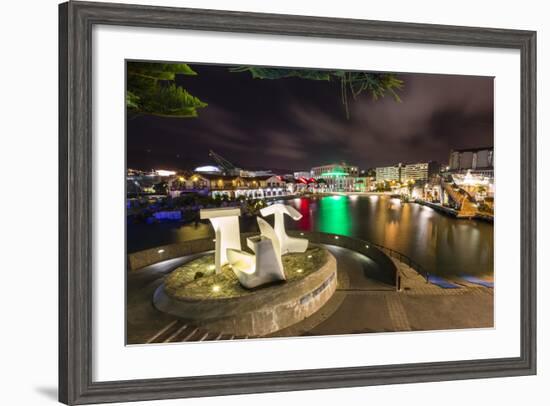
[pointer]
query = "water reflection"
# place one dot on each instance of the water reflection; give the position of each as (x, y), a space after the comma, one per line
(441, 244)
(333, 215)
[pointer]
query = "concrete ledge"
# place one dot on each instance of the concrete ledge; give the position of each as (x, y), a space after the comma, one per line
(140, 259)
(144, 258)
(263, 311)
(388, 268)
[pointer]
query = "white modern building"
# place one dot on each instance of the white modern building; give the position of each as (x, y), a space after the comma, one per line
(340, 168)
(389, 173)
(337, 177)
(421, 171)
(478, 160)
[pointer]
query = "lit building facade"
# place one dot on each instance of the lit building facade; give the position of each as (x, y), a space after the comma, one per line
(477, 160)
(419, 172)
(337, 177)
(478, 186)
(302, 174)
(233, 186)
(141, 182)
(349, 170)
(389, 173)
(364, 183)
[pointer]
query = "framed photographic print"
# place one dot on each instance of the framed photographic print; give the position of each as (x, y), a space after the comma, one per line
(259, 202)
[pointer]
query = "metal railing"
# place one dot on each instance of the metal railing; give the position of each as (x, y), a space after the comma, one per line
(405, 259)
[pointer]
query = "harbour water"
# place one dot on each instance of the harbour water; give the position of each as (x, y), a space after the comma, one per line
(442, 245)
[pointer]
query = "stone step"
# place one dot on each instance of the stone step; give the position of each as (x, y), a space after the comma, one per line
(174, 337)
(163, 333)
(180, 331)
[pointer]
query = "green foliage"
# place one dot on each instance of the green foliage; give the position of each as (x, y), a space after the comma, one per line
(383, 186)
(352, 84)
(253, 207)
(132, 101)
(280, 73)
(151, 90)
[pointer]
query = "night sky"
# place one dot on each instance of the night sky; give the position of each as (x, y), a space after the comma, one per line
(293, 124)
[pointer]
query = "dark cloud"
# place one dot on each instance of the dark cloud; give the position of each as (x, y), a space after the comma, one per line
(296, 124)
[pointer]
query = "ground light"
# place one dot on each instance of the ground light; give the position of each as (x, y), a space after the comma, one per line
(215, 288)
(160, 251)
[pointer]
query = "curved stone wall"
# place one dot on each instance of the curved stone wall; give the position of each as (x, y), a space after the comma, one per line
(386, 265)
(261, 312)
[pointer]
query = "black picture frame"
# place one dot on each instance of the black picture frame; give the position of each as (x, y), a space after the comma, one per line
(76, 20)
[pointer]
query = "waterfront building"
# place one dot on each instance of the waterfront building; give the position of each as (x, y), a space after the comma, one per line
(142, 182)
(389, 173)
(232, 186)
(477, 160)
(476, 185)
(349, 170)
(302, 174)
(336, 177)
(419, 172)
(243, 173)
(364, 183)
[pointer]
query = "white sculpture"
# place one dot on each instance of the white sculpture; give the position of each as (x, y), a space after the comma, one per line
(288, 244)
(265, 265)
(226, 225)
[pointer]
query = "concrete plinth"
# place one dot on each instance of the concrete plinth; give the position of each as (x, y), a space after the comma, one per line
(261, 312)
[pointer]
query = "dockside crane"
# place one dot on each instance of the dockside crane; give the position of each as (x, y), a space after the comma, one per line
(226, 167)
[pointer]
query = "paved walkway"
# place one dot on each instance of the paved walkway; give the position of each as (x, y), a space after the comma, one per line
(147, 325)
(360, 308)
(361, 304)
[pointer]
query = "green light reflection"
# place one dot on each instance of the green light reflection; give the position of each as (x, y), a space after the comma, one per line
(334, 216)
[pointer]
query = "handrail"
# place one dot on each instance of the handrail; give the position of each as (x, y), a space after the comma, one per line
(405, 259)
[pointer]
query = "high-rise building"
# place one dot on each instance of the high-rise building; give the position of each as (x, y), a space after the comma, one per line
(389, 173)
(421, 171)
(477, 160)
